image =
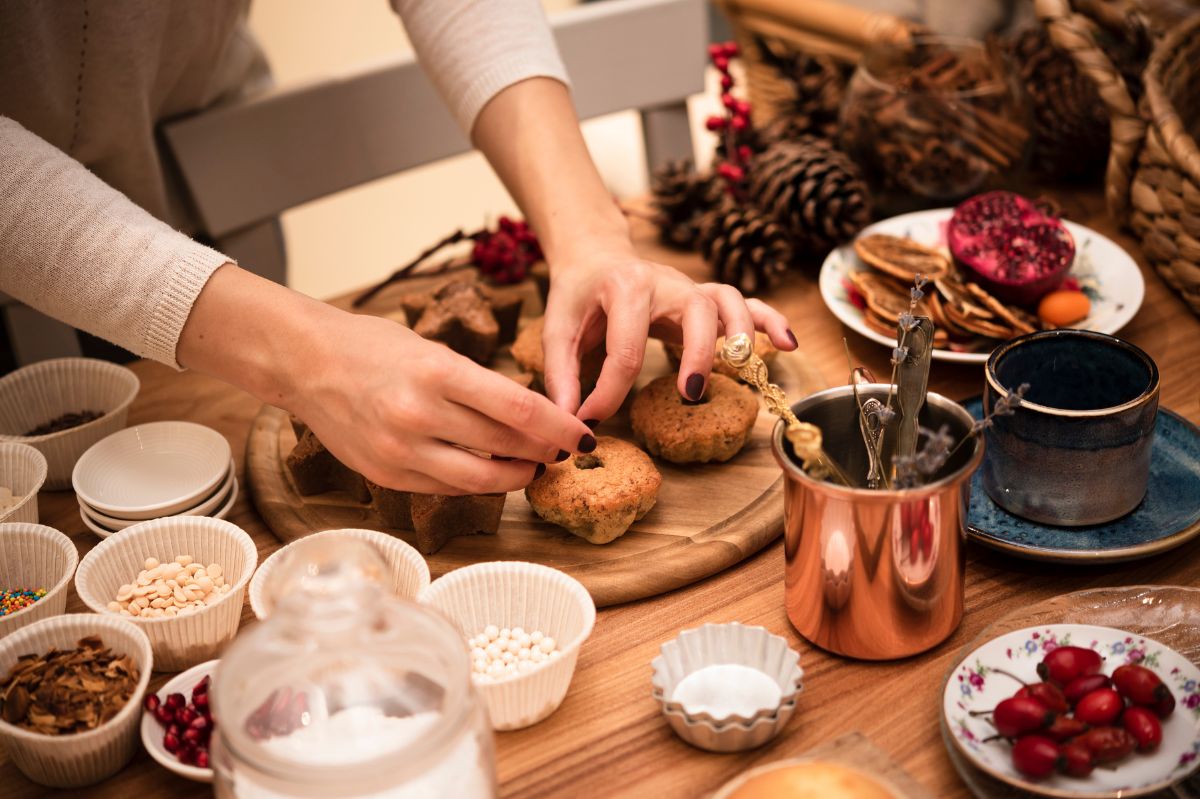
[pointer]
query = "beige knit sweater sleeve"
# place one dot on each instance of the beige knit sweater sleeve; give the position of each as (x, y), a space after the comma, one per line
(78, 250)
(472, 49)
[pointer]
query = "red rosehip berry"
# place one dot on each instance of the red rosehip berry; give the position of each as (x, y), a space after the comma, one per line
(1144, 726)
(1080, 687)
(1143, 687)
(1046, 693)
(1065, 663)
(1076, 760)
(1035, 756)
(1019, 715)
(1108, 744)
(1100, 708)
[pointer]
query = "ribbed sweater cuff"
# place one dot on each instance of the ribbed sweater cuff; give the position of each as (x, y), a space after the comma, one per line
(194, 266)
(502, 74)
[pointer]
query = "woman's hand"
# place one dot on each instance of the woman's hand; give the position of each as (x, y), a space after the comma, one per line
(399, 409)
(609, 295)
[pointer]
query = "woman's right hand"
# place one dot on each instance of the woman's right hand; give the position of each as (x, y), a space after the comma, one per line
(404, 411)
(399, 409)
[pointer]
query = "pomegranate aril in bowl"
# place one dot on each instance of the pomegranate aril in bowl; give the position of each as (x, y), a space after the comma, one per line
(177, 725)
(1010, 247)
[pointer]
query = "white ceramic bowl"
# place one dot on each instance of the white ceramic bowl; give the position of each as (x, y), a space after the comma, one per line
(23, 471)
(73, 761)
(179, 642)
(409, 574)
(152, 470)
(91, 518)
(35, 394)
(34, 556)
(205, 507)
(516, 594)
(152, 731)
(727, 644)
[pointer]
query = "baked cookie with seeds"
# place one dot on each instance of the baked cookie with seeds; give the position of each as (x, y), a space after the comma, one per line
(713, 429)
(597, 496)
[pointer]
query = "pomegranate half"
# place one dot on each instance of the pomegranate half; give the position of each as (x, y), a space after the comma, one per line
(1010, 247)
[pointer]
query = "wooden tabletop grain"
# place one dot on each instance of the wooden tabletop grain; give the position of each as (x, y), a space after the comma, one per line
(609, 738)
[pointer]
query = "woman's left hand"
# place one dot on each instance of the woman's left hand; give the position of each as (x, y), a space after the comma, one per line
(609, 295)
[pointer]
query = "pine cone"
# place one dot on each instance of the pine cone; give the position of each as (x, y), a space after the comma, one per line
(812, 87)
(812, 190)
(682, 197)
(744, 247)
(1070, 124)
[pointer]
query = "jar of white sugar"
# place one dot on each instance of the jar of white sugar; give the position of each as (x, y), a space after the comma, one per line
(348, 691)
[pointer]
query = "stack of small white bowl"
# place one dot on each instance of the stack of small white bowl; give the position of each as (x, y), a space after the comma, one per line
(154, 470)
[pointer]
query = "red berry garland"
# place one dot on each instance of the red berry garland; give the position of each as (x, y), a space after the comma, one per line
(735, 125)
(503, 255)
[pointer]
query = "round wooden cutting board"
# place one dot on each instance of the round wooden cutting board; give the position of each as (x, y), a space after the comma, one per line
(708, 517)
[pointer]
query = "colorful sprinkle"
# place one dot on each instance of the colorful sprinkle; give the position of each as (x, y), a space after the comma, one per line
(15, 599)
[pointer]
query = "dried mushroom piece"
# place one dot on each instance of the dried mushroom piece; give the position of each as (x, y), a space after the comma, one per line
(68, 691)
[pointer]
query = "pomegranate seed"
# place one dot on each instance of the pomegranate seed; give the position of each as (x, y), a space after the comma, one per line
(186, 755)
(201, 687)
(202, 758)
(151, 702)
(192, 735)
(165, 715)
(176, 701)
(171, 743)
(185, 715)
(200, 701)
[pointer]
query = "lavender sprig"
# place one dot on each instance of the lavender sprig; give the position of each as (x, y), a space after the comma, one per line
(913, 470)
(1005, 406)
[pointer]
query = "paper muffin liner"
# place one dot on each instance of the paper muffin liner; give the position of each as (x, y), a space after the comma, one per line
(46, 390)
(516, 594)
(408, 572)
(34, 556)
(73, 761)
(22, 470)
(179, 642)
(720, 644)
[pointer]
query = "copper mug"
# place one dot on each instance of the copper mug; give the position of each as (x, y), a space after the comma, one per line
(875, 574)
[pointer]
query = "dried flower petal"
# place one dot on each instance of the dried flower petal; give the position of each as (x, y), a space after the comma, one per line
(898, 355)
(908, 322)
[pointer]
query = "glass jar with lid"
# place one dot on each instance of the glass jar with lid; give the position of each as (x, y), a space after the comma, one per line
(348, 691)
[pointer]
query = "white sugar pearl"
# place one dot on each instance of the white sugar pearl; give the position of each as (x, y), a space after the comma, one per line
(514, 646)
(508, 657)
(517, 632)
(555, 654)
(537, 655)
(536, 636)
(478, 652)
(505, 632)
(524, 667)
(546, 645)
(480, 666)
(492, 632)
(493, 651)
(523, 653)
(525, 641)
(495, 670)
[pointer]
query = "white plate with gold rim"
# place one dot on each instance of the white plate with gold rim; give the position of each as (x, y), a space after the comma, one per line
(1105, 272)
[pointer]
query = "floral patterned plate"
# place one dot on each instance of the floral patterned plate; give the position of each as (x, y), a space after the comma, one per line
(990, 672)
(1104, 271)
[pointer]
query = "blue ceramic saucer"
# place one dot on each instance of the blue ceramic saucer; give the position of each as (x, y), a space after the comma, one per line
(1167, 517)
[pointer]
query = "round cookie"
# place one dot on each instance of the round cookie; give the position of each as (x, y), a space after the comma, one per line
(714, 429)
(763, 348)
(597, 496)
(528, 353)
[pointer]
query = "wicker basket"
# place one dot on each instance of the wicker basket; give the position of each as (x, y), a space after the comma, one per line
(1153, 178)
(815, 27)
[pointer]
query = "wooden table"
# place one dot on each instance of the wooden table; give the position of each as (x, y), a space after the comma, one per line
(609, 738)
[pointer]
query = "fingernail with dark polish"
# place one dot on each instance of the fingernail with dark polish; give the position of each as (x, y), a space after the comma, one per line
(587, 444)
(502, 458)
(539, 471)
(591, 423)
(792, 338)
(695, 387)
(562, 456)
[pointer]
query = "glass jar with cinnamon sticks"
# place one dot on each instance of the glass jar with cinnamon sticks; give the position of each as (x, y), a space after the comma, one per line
(934, 119)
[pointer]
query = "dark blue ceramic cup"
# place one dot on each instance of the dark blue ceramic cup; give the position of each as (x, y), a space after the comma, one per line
(1077, 450)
